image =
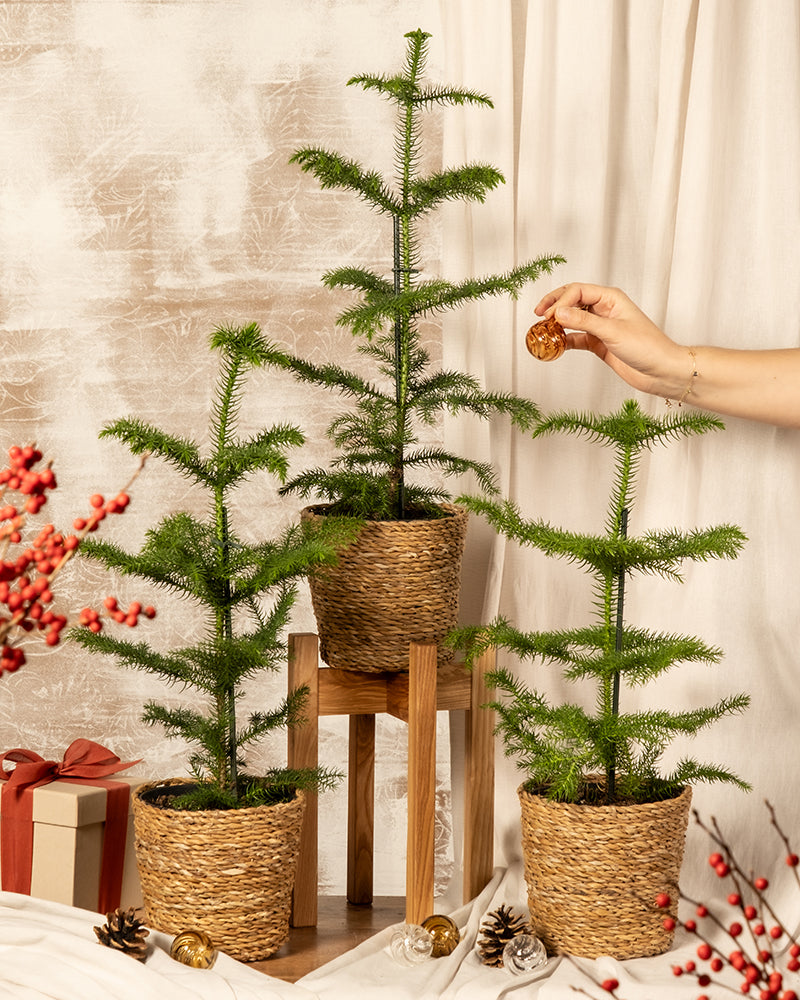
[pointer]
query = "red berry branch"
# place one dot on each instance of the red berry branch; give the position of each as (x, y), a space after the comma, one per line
(28, 566)
(761, 951)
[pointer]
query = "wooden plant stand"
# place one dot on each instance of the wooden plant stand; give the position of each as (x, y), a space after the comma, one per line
(414, 697)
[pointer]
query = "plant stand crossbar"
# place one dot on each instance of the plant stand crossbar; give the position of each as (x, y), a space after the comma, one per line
(413, 697)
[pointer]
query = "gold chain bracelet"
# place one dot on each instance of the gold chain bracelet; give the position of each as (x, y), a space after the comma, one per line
(695, 374)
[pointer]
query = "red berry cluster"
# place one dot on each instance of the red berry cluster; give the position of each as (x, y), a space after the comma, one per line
(758, 938)
(27, 571)
(93, 620)
(20, 476)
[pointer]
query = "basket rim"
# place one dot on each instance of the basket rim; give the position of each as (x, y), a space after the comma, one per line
(604, 808)
(452, 510)
(299, 796)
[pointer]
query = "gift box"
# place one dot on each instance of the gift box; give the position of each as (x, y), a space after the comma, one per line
(70, 839)
(68, 832)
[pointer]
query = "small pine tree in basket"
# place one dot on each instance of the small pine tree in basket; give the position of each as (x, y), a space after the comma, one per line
(244, 590)
(379, 438)
(609, 756)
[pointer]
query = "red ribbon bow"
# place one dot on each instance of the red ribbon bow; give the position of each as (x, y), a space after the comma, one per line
(86, 763)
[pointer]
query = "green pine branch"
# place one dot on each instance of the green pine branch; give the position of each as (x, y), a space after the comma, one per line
(660, 553)
(630, 428)
(472, 182)
(265, 451)
(397, 88)
(143, 439)
(368, 317)
(335, 171)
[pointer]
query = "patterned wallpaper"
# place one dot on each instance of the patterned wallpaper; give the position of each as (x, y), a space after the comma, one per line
(146, 197)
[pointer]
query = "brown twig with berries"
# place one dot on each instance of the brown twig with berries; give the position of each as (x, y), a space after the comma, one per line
(26, 580)
(759, 938)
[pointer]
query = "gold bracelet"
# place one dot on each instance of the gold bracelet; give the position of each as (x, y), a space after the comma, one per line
(695, 374)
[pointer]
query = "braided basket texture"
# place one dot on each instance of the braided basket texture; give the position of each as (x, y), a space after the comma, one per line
(593, 873)
(398, 583)
(229, 872)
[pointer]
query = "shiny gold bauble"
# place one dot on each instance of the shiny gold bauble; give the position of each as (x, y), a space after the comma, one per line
(444, 932)
(546, 340)
(194, 948)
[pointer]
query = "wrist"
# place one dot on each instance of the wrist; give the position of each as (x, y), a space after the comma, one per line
(681, 382)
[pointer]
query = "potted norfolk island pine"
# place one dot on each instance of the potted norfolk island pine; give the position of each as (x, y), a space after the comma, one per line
(399, 581)
(603, 827)
(217, 850)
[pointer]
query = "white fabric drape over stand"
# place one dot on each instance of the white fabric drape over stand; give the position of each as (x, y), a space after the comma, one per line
(656, 145)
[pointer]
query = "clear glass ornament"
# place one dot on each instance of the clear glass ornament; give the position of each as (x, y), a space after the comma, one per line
(411, 944)
(524, 953)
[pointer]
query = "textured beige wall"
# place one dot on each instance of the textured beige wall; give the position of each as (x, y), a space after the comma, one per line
(145, 197)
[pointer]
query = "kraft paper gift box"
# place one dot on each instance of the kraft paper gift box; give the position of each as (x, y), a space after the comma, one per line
(57, 846)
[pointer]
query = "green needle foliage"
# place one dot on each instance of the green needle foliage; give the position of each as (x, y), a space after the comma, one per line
(378, 439)
(245, 591)
(560, 746)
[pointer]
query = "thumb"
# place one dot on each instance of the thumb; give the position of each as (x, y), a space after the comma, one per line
(581, 319)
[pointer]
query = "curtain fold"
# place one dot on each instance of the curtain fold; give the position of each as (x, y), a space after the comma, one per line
(657, 147)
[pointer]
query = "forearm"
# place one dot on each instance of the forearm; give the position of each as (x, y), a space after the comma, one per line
(755, 385)
(752, 384)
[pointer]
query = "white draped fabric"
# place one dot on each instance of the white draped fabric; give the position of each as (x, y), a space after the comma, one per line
(656, 145)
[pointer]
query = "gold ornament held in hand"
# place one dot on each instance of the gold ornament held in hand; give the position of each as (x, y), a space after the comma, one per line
(444, 932)
(193, 948)
(546, 340)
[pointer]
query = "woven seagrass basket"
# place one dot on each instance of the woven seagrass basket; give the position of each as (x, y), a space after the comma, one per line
(397, 583)
(593, 873)
(228, 872)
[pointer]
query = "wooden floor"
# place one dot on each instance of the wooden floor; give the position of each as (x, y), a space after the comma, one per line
(340, 927)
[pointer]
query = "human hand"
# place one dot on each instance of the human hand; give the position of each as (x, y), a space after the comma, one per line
(607, 323)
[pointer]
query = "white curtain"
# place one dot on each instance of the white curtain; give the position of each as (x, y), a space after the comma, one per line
(656, 145)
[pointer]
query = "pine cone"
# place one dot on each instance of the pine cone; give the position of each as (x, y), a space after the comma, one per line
(124, 932)
(496, 931)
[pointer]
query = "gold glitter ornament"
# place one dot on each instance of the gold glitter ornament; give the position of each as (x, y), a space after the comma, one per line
(193, 948)
(546, 340)
(444, 932)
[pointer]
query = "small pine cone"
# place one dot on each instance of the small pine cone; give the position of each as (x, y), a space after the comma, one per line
(124, 932)
(497, 930)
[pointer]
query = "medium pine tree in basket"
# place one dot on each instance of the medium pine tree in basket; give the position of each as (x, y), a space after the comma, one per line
(245, 590)
(379, 439)
(560, 747)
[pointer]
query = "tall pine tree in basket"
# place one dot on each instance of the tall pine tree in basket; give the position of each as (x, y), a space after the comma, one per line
(561, 747)
(378, 440)
(243, 590)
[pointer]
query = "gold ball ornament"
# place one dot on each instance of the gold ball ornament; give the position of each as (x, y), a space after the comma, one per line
(546, 340)
(194, 948)
(444, 932)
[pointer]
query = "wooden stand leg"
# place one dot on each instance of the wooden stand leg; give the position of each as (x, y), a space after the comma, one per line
(479, 783)
(360, 809)
(303, 751)
(421, 781)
